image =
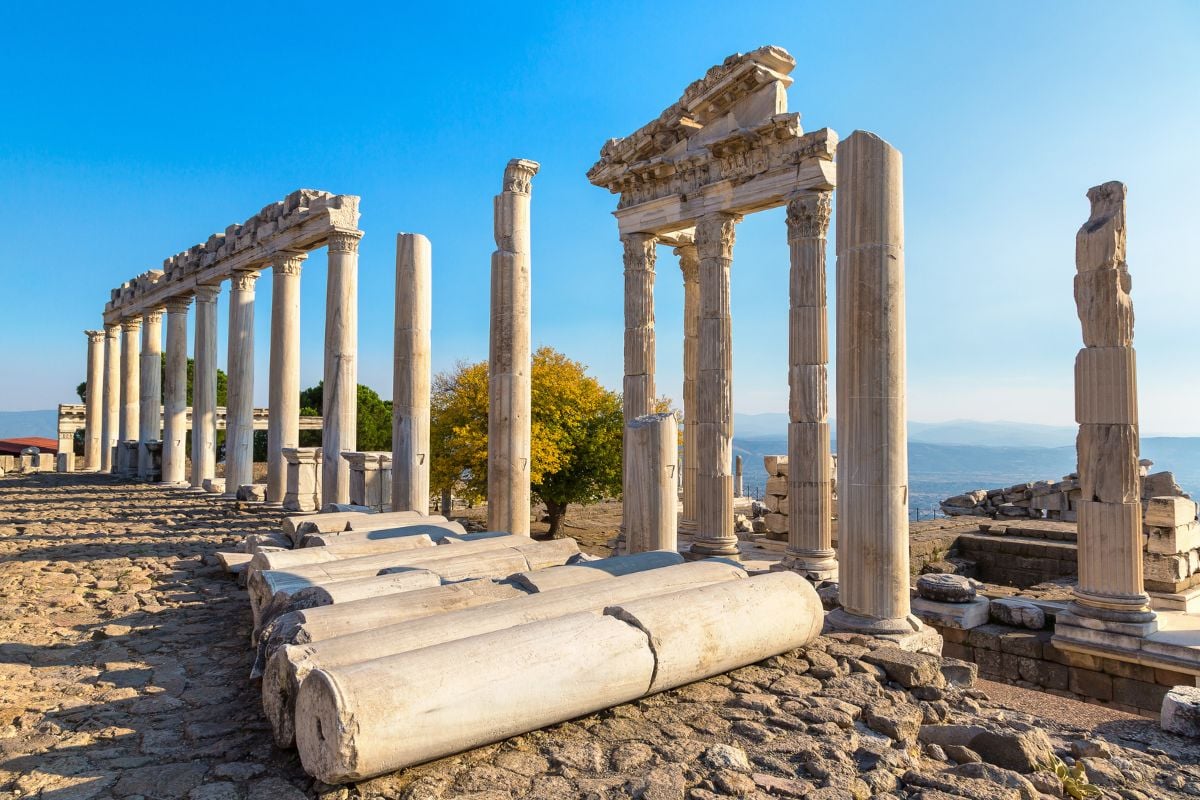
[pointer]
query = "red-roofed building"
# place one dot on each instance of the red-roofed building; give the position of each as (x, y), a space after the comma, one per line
(14, 447)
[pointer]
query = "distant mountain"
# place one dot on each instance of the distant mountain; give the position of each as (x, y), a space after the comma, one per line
(14, 424)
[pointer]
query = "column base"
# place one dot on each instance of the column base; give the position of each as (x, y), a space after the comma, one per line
(842, 620)
(686, 527)
(814, 565)
(713, 548)
(1086, 624)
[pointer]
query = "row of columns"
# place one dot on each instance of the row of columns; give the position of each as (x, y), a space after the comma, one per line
(125, 380)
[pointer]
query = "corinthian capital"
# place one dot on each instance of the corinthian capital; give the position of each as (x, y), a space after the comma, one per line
(344, 241)
(287, 262)
(715, 234)
(178, 304)
(689, 262)
(518, 175)
(94, 336)
(640, 251)
(208, 292)
(243, 280)
(808, 215)
(131, 325)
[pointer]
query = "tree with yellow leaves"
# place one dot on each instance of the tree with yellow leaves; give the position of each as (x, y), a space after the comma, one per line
(576, 426)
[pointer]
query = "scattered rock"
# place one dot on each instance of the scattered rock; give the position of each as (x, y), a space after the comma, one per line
(1181, 711)
(907, 668)
(723, 756)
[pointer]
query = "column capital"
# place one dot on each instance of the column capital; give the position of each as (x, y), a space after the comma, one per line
(153, 316)
(288, 262)
(808, 215)
(242, 280)
(689, 262)
(179, 303)
(94, 337)
(640, 250)
(518, 175)
(344, 241)
(112, 331)
(208, 292)
(131, 325)
(715, 234)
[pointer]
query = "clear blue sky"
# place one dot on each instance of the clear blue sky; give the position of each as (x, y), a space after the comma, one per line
(132, 131)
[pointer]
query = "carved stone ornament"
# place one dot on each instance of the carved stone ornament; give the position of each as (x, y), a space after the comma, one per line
(94, 337)
(808, 215)
(243, 280)
(344, 241)
(131, 325)
(179, 304)
(207, 292)
(287, 263)
(640, 252)
(715, 235)
(518, 175)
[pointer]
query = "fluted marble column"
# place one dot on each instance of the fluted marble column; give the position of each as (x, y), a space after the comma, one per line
(510, 356)
(871, 435)
(239, 413)
(640, 255)
(810, 481)
(93, 435)
(689, 264)
(714, 391)
(150, 412)
(283, 424)
(130, 391)
(340, 391)
(204, 387)
(411, 374)
(111, 414)
(174, 449)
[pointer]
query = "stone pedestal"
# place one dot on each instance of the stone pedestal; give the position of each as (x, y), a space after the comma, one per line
(111, 414)
(283, 426)
(174, 449)
(150, 460)
(340, 392)
(872, 439)
(650, 507)
(509, 358)
(94, 397)
(150, 409)
(714, 428)
(409, 490)
(239, 414)
(130, 390)
(689, 265)
(204, 387)
(64, 461)
(303, 479)
(810, 480)
(127, 458)
(371, 476)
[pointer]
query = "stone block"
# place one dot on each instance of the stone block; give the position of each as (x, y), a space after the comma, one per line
(772, 503)
(1105, 307)
(1046, 674)
(1096, 685)
(907, 668)
(777, 485)
(950, 617)
(1165, 569)
(991, 663)
(986, 637)
(1170, 512)
(1106, 386)
(252, 492)
(1017, 613)
(959, 651)
(1022, 643)
(64, 462)
(1147, 696)
(776, 523)
(1108, 467)
(776, 465)
(1180, 711)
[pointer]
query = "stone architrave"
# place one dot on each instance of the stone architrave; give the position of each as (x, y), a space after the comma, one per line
(174, 435)
(130, 393)
(239, 420)
(714, 427)
(810, 481)
(412, 374)
(111, 414)
(150, 410)
(1110, 594)
(340, 390)
(510, 356)
(204, 388)
(92, 439)
(283, 427)
(689, 265)
(872, 440)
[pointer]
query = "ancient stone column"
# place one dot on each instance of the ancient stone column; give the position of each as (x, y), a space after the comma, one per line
(92, 437)
(411, 374)
(689, 264)
(810, 481)
(174, 449)
(1110, 591)
(111, 414)
(340, 392)
(714, 391)
(239, 414)
(204, 387)
(509, 358)
(872, 440)
(283, 425)
(739, 488)
(150, 413)
(130, 388)
(652, 456)
(640, 256)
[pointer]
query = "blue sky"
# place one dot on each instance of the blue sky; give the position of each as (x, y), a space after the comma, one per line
(132, 131)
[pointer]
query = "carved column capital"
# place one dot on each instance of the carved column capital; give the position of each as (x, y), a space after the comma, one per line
(153, 316)
(518, 175)
(689, 262)
(95, 337)
(808, 215)
(640, 250)
(243, 280)
(131, 325)
(208, 292)
(344, 241)
(112, 331)
(178, 304)
(288, 262)
(715, 235)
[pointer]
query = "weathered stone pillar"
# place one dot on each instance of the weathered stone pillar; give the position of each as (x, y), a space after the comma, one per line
(303, 479)
(283, 425)
(1110, 595)
(111, 414)
(130, 388)
(371, 480)
(340, 392)
(714, 391)
(204, 387)
(510, 357)
(689, 264)
(650, 508)
(739, 487)
(239, 414)
(150, 412)
(872, 440)
(93, 435)
(174, 449)
(411, 374)
(810, 482)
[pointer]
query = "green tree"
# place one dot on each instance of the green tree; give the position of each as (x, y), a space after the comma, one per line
(576, 434)
(374, 427)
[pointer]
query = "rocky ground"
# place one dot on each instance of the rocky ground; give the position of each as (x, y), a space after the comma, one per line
(124, 656)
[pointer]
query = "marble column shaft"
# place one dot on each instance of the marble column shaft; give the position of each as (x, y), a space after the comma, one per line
(412, 373)
(111, 413)
(174, 435)
(204, 387)
(714, 428)
(150, 410)
(94, 394)
(340, 389)
(130, 388)
(810, 481)
(239, 414)
(510, 356)
(689, 265)
(871, 413)
(283, 424)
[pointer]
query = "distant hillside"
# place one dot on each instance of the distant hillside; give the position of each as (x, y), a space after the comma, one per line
(29, 423)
